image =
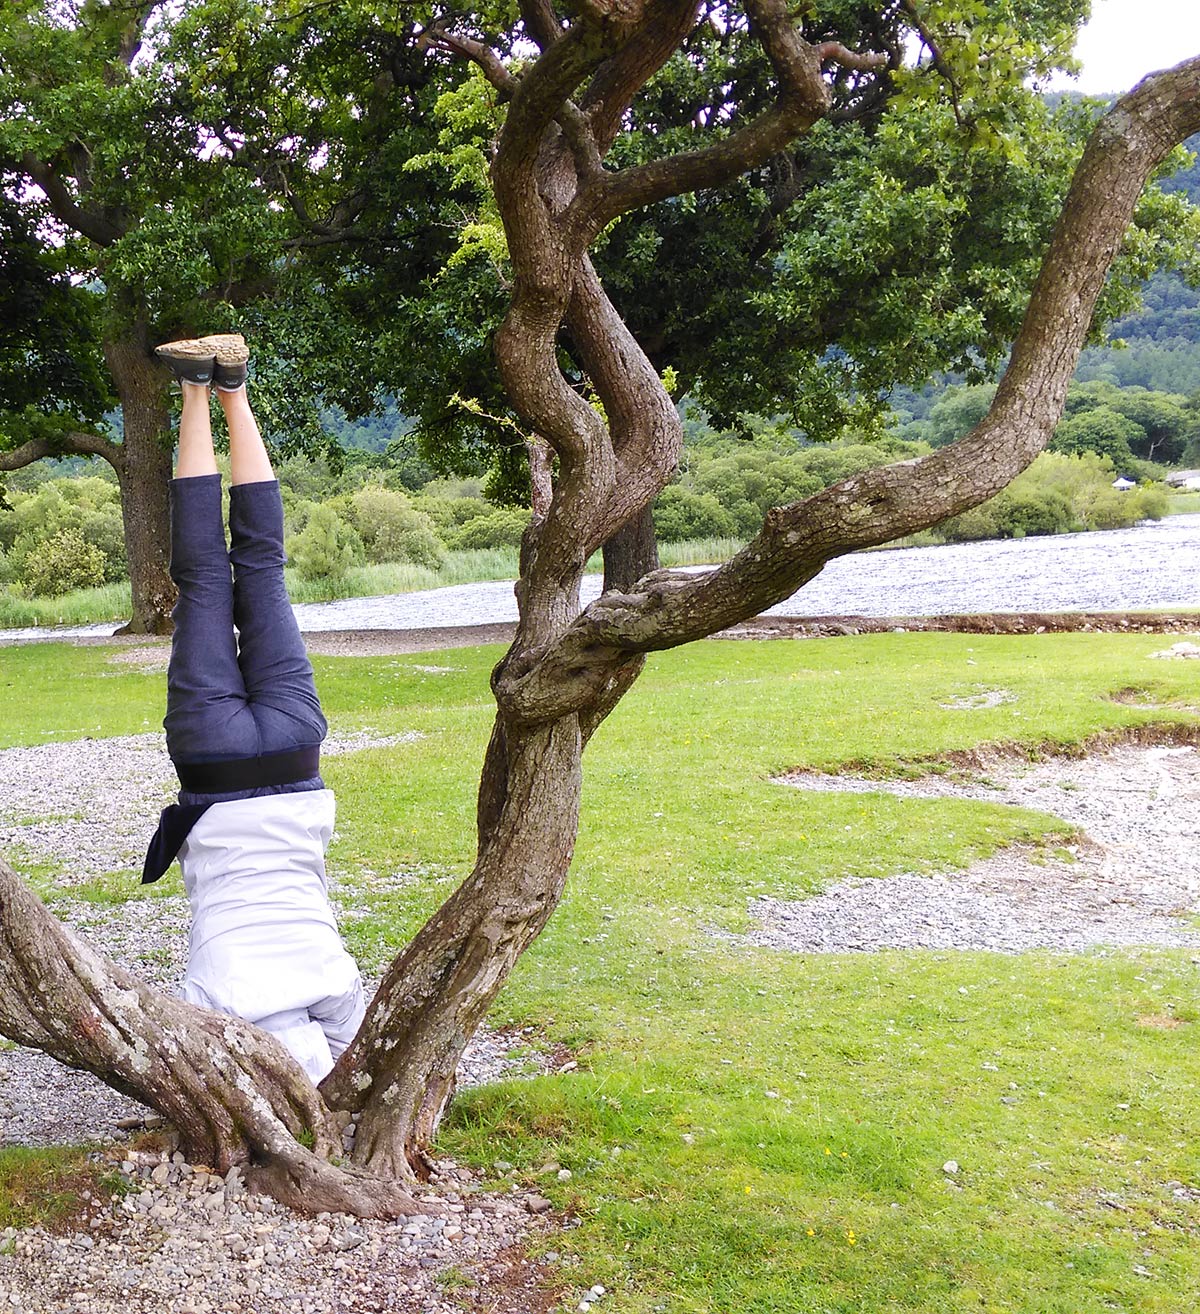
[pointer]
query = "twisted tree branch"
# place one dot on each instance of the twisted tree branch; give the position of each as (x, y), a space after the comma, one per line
(803, 99)
(76, 443)
(861, 62)
(437, 37)
(618, 80)
(88, 223)
(666, 609)
(541, 22)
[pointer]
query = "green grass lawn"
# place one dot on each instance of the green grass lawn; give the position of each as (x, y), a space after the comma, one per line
(751, 1130)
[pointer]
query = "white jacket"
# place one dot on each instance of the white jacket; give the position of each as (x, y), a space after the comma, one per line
(264, 943)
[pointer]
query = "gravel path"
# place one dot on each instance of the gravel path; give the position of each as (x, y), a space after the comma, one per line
(1153, 565)
(1133, 881)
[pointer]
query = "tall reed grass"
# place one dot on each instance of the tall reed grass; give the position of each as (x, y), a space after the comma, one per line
(111, 602)
(698, 551)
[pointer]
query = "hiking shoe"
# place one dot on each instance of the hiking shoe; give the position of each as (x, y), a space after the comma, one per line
(191, 360)
(232, 356)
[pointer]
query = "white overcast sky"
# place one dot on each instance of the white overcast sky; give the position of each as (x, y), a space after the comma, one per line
(1126, 39)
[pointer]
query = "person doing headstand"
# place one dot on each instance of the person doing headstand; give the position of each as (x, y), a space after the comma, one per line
(244, 727)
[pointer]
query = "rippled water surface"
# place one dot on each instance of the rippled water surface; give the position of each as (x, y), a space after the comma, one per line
(1152, 566)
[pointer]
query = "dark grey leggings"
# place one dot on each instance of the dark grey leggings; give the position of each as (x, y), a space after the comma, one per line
(235, 696)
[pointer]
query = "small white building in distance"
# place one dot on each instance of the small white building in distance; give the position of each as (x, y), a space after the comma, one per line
(1123, 484)
(1184, 479)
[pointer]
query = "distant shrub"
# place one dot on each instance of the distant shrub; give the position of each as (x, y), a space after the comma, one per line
(1099, 430)
(500, 528)
(1112, 509)
(839, 461)
(1154, 503)
(979, 522)
(66, 561)
(327, 546)
(1059, 493)
(1028, 512)
(392, 529)
(1115, 509)
(680, 514)
(449, 514)
(957, 412)
(88, 505)
(747, 481)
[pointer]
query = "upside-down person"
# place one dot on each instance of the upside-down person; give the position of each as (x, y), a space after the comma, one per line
(244, 728)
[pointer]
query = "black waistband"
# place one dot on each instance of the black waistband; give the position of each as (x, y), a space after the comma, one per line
(250, 772)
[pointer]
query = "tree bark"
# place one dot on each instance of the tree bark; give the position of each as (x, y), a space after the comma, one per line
(144, 473)
(232, 1092)
(399, 1072)
(631, 553)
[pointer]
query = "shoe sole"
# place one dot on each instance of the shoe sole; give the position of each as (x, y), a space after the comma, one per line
(185, 349)
(229, 348)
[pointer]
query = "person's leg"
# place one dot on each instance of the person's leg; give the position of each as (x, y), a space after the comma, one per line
(206, 698)
(248, 457)
(276, 671)
(196, 457)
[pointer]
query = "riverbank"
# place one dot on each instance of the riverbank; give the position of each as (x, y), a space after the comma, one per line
(148, 654)
(1152, 567)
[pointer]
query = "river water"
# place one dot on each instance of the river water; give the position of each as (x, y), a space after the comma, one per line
(1151, 566)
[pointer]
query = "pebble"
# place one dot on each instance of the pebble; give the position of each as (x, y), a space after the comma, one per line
(1132, 883)
(194, 1249)
(1187, 651)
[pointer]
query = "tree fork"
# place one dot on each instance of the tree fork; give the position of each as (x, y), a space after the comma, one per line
(664, 610)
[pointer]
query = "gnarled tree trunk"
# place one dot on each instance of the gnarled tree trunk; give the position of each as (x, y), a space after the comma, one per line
(232, 1092)
(568, 668)
(144, 473)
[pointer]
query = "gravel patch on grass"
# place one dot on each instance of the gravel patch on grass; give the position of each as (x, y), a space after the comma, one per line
(1133, 880)
(86, 807)
(178, 1238)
